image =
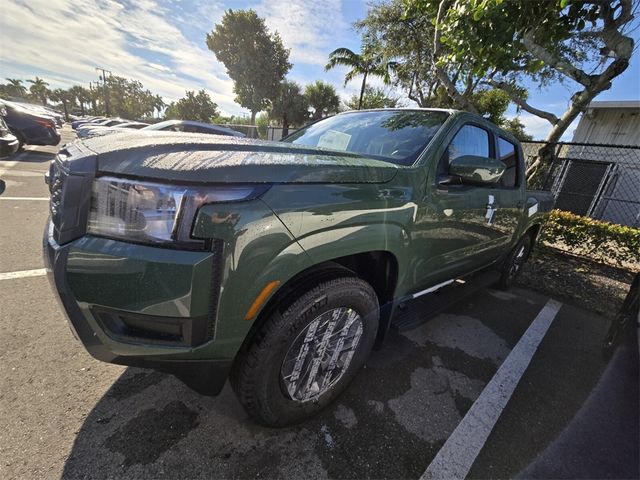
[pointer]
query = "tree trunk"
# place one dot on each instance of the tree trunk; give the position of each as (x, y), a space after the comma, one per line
(364, 84)
(285, 126)
(579, 103)
(66, 113)
(81, 108)
(252, 131)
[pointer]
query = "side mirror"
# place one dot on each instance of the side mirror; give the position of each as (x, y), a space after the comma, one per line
(474, 170)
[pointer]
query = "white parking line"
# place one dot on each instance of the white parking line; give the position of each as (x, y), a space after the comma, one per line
(455, 458)
(38, 272)
(44, 199)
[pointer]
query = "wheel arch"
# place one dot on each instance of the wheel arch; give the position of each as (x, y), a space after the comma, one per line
(534, 232)
(378, 268)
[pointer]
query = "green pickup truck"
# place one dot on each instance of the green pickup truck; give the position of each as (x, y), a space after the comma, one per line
(278, 265)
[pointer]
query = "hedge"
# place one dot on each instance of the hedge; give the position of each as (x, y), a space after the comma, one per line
(594, 238)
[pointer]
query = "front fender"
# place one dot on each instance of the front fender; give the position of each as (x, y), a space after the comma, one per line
(257, 249)
(334, 221)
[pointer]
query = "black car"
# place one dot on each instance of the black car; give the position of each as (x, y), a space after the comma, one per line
(29, 128)
(8, 142)
(194, 127)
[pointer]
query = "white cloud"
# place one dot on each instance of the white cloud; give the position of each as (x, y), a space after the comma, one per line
(67, 39)
(535, 126)
(310, 29)
(539, 128)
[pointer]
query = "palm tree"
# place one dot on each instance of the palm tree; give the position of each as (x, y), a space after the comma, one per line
(369, 62)
(158, 104)
(39, 89)
(64, 97)
(290, 106)
(16, 88)
(80, 95)
(322, 98)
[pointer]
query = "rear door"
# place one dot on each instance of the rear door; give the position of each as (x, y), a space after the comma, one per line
(509, 194)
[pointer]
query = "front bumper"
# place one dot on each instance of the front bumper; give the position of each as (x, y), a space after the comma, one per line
(141, 306)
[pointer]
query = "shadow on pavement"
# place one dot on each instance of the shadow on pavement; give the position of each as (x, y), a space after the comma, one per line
(149, 424)
(35, 156)
(390, 422)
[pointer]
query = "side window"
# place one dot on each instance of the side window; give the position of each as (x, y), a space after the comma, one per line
(470, 140)
(509, 156)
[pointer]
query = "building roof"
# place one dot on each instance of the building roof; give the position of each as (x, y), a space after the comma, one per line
(616, 104)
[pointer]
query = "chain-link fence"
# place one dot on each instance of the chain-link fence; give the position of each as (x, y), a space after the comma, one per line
(598, 181)
(257, 131)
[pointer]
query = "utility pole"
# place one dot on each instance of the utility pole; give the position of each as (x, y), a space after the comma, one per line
(103, 77)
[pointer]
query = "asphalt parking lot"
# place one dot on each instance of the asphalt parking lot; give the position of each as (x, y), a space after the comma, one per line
(63, 413)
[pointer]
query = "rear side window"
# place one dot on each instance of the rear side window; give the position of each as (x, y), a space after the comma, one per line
(509, 156)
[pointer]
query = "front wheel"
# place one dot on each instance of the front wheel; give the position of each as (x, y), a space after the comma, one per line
(301, 359)
(514, 262)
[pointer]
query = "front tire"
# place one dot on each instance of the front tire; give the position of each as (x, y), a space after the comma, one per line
(302, 358)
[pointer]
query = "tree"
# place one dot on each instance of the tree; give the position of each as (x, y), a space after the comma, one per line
(262, 125)
(369, 62)
(582, 43)
(407, 41)
(80, 95)
(128, 98)
(63, 96)
(193, 106)
(94, 94)
(255, 59)
(322, 98)
(373, 97)
(158, 104)
(290, 106)
(516, 128)
(15, 88)
(39, 89)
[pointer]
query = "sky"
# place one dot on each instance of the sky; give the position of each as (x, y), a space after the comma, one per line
(162, 44)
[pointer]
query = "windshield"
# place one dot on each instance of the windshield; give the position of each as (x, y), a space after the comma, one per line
(397, 136)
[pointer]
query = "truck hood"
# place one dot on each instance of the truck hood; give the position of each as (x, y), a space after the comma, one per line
(207, 158)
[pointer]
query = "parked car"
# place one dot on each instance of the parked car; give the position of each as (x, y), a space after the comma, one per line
(77, 123)
(194, 127)
(86, 129)
(280, 262)
(28, 127)
(134, 125)
(41, 110)
(8, 142)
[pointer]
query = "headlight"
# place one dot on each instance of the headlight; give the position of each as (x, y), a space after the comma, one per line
(152, 212)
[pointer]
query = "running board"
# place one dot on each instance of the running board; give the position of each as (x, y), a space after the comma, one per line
(425, 305)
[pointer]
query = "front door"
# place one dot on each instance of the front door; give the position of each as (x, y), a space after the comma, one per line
(456, 228)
